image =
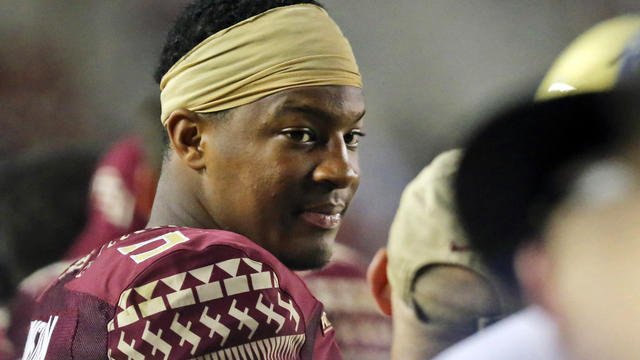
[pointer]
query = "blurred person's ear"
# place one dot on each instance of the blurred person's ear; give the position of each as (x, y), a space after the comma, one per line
(378, 282)
(533, 269)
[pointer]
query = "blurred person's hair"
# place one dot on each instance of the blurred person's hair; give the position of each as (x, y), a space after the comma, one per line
(524, 161)
(43, 197)
(604, 57)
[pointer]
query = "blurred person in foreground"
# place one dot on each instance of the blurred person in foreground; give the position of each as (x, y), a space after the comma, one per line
(548, 195)
(606, 56)
(262, 106)
(436, 288)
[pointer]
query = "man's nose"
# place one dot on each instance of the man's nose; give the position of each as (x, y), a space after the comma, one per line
(336, 167)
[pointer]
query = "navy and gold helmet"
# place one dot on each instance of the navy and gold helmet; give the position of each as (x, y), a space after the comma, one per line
(602, 58)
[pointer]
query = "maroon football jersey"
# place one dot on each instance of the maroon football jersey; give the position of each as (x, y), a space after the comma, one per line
(179, 293)
(24, 301)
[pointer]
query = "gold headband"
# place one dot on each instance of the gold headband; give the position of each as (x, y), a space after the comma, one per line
(282, 48)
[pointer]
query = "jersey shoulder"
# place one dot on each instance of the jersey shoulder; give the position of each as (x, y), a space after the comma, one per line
(190, 292)
(159, 253)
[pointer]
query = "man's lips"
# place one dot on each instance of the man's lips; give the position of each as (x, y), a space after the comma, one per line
(325, 216)
(320, 220)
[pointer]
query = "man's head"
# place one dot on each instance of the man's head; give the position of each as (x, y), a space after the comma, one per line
(428, 265)
(521, 169)
(602, 58)
(546, 193)
(263, 118)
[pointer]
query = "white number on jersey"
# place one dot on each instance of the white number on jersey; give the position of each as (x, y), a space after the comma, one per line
(38, 339)
(169, 240)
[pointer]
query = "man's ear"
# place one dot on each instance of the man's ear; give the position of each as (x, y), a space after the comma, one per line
(378, 282)
(185, 129)
(533, 270)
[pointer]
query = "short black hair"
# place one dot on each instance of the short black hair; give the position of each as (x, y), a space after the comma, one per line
(203, 18)
(522, 163)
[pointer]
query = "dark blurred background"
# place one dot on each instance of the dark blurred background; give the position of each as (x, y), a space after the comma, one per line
(78, 72)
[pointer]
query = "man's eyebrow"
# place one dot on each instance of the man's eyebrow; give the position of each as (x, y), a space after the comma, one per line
(313, 111)
(360, 115)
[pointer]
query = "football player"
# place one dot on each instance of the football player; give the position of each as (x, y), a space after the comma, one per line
(262, 106)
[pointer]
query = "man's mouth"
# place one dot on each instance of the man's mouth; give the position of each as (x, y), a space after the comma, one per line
(324, 221)
(325, 216)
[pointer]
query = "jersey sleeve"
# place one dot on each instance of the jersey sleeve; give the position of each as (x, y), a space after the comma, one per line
(216, 303)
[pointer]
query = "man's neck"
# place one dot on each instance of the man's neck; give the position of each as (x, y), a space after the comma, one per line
(176, 202)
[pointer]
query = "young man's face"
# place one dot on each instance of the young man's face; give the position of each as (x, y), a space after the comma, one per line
(283, 170)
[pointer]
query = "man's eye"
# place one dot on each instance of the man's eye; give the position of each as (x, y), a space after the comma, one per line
(352, 139)
(300, 135)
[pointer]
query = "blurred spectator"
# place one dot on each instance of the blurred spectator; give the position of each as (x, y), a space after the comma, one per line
(42, 205)
(606, 56)
(120, 197)
(536, 190)
(428, 265)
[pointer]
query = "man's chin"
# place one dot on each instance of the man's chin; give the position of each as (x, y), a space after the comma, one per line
(307, 259)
